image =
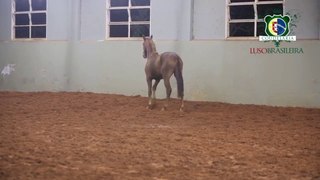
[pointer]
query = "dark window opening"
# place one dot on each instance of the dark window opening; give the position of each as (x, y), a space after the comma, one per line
(119, 3)
(242, 12)
(140, 2)
(38, 32)
(139, 30)
(119, 15)
(269, 9)
(38, 18)
(140, 14)
(39, 5)
(22, 5)
(246, 16)
(30, 19)
(119, 30)
(261, 29)
(129, 18)
(22, 19)
(22, 32)
(241, 29)
(235, 1)
(270, 0)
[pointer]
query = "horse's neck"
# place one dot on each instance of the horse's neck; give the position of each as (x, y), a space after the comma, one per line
(152, 54)
(153, 59)
(152, 51)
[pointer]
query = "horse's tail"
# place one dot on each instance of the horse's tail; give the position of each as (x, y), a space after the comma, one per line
(179, 78)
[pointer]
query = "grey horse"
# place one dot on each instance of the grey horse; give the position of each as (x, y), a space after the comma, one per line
(162, 67)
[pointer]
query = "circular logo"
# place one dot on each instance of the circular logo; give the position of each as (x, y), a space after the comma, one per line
(277, 26)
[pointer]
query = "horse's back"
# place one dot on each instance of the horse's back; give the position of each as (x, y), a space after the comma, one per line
(162, 65)
(170, 59)
(170, 55)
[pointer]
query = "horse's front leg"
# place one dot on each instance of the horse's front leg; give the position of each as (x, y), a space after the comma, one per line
(149, 81)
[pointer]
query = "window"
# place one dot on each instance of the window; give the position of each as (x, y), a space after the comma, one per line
(29, 19)
(246, 17)
(128, 18)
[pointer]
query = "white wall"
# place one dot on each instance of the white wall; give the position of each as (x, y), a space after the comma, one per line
(58, 19)
(209, 19)
(5, 20)
(319, 18)
(93, 20)
(222, 71)
(171, 20)
(308, 21)
(214, 69)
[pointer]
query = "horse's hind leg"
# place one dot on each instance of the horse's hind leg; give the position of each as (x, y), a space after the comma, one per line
(154, 88)
(168, 90)
(149, 81)
(182, 104)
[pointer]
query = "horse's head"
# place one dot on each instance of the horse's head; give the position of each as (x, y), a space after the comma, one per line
(147, 45)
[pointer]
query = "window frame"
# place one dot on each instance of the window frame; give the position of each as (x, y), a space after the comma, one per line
(30, 25)
(256, 20)
(129, 22)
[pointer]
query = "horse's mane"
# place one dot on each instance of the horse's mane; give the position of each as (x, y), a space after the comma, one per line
(152, 46)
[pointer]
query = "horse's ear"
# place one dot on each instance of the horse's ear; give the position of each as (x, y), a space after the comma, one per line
(144, 37)
(151, 36)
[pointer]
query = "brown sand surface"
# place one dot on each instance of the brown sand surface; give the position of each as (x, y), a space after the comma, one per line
(100, 136)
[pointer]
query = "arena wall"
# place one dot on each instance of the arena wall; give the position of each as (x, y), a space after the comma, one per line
(222, 71)
(76, 56)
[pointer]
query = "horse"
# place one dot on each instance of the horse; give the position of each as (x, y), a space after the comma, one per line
(162, 66)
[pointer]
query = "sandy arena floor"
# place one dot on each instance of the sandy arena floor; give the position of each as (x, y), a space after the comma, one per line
(99, 136)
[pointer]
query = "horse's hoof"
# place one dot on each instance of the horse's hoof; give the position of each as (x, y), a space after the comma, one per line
(164, 109)
(149, 107)
(181, 110)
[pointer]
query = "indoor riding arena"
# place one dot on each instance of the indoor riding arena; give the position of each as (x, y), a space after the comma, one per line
(238, 94)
